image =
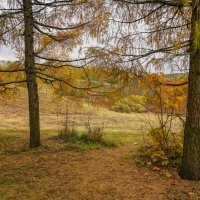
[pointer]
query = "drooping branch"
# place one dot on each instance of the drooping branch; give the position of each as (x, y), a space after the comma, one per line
(12, 82)
(10, 14)
(12, 71)
(176, 84)
(140, 19)
(64, 61)
(173, 3)
(61, 28)
(55, 79)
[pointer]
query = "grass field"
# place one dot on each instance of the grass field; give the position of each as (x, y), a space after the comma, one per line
(14, 116)
(58, 171)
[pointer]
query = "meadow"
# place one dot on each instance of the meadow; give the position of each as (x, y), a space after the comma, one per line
(58, 170)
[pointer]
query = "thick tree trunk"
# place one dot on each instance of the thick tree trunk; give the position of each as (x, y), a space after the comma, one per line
(34, 121)
(190, 168)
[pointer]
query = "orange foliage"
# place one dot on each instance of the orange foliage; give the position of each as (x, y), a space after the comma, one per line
(165, 97)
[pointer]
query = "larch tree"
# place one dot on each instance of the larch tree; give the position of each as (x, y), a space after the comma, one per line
(44, 34)
(156, 35)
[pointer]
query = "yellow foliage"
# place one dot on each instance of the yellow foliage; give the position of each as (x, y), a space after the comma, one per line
(45, 41)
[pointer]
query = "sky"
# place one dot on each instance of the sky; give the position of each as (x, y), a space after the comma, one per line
(7, 53)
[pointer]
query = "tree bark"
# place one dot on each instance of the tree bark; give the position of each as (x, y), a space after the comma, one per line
(34, 121)
(190, 168)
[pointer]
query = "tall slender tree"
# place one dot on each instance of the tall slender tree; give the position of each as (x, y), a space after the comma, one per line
(44, 33)
(30, 70)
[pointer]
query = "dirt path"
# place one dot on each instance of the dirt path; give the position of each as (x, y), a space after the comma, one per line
(105, 174)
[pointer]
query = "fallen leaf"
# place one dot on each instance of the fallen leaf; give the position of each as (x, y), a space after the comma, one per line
(172, 183)
(156, 168)
(168, 175)
(191, 194)
(149, 163)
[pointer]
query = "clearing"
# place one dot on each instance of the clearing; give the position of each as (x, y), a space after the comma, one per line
(55, 171)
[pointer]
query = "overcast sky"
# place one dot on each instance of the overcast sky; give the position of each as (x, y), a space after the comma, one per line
(6, 53)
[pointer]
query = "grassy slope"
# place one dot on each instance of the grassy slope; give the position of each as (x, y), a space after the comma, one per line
(14, 116)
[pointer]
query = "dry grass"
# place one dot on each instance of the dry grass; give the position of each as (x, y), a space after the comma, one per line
(55, 171)
(14, 115)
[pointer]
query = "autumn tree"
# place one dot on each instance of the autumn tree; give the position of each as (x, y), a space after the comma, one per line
(168, 103)
(160, 35)
(44, 33)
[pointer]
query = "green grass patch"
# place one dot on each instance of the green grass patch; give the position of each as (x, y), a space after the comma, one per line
(5, 139)
(123, 137)
(84, 141)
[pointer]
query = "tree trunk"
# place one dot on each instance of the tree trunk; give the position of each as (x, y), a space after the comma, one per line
(190, 168)
(34, 121)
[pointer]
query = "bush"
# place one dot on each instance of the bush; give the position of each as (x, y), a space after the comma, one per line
(70, 136)
(138, 108)
(89, 140)
(94, 133)
(121, 107)
(133, 103)
(138, 99)
(162, 150)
